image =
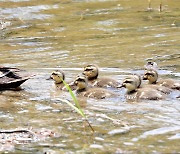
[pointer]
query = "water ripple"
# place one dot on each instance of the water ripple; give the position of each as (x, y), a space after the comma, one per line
(27, 13)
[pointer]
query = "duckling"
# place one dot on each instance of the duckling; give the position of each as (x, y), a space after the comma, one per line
(97, 93)
(58, 76)
(152, 76)
(92, 71)
(135, 93)
(137, 78)
(151, 65)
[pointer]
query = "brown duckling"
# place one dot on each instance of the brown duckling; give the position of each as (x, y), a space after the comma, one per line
(152, 76)
(57, 76)
(137, 78)
(97, 93)
(135, 93)
(92, 71)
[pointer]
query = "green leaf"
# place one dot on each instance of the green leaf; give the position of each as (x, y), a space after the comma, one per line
(77, 107)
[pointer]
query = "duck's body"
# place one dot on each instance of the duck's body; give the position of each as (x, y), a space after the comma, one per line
(152, 76)
(170, 83)
(146, 94)
(104, 82)
(92, 72)
(162, 89)
(135, 93)
(58, 76)
(84, 90)
(12, 78)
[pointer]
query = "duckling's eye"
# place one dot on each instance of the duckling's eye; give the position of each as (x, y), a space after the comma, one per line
(79, 79)
(54, 73)
(150, 74)
(88, 69)
(127, 81)
(150, 63)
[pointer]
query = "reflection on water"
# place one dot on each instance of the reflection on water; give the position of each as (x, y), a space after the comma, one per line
(119, 36)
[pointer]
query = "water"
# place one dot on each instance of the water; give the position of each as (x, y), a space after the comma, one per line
(119, 36)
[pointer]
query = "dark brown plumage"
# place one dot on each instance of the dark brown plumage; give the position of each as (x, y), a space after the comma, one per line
(11, 78)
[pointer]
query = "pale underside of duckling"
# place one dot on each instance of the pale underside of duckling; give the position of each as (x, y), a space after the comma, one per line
(152, 76)
(84, 90)
(57, 76)
(135, 93)
(92, 72)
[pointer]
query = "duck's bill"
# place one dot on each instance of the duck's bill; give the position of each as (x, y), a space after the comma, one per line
(121, 86)
(49, 78)
(144, 78)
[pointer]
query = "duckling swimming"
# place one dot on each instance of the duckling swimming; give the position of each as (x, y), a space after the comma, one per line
(152, 76)
(151, 65)
(135, 93)
(92, 71)
(97, 93)
(58, 76)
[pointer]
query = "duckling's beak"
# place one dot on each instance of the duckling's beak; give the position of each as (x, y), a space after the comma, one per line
(144, 77)
(72, 84)
(121, 86)
(50, 78)
(75, 83)
(83, 73)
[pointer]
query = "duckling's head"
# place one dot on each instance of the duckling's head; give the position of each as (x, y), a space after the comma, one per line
(151, 75)
(151, 65)
(130, 83)
(91, 71)
(81, 83)
(137, 79)
(57, 76)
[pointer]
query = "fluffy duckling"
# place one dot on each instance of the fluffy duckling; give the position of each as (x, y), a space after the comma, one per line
(137, 78)
(152, 76)
(135, 93)
(92, 71)
(57, 76)
(151, 65)
(97, 93)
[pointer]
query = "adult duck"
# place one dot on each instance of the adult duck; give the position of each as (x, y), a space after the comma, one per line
(12, 78)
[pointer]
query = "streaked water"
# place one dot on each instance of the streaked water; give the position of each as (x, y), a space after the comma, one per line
(119, 36)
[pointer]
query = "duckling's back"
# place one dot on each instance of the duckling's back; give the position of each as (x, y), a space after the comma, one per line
(149, 94)
(98, 93)
(106, 82)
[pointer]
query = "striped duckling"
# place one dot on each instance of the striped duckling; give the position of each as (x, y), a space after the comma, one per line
(97, 93)
(151, 65)
(135, 93)
(57, 76)
(152, 76)
(92, 71)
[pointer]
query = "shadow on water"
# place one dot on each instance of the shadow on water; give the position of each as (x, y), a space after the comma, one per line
(119, 36)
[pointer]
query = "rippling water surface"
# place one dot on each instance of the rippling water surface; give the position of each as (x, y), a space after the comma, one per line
(119, 36)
